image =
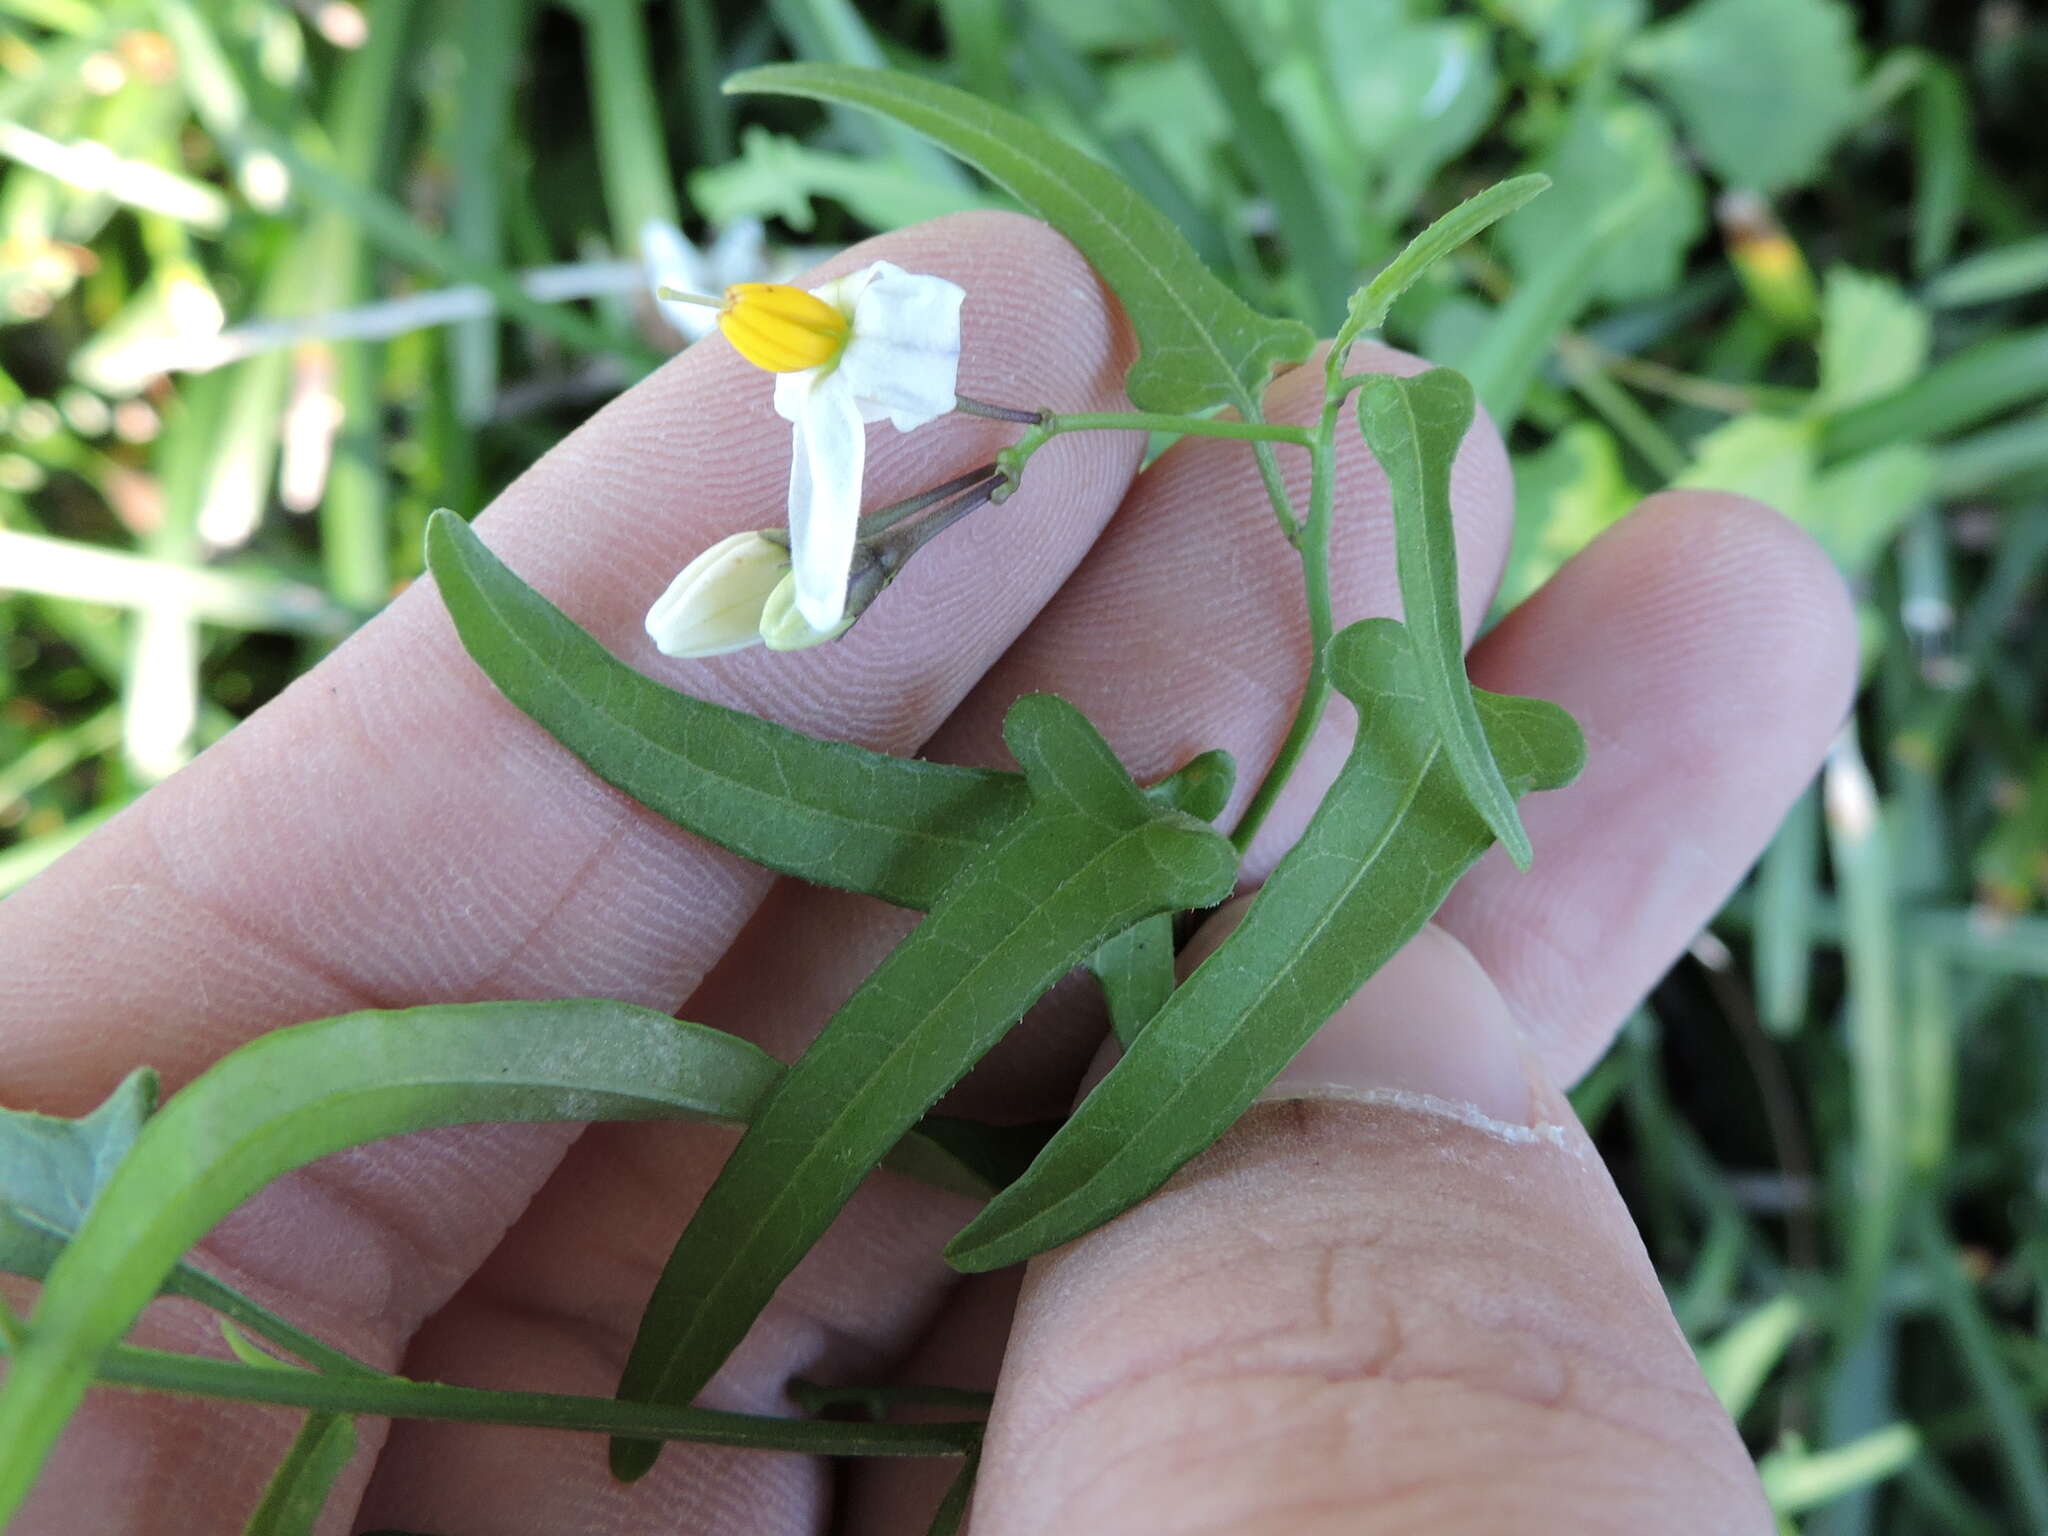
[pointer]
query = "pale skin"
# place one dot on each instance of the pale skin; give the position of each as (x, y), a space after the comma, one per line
(1361, 1312)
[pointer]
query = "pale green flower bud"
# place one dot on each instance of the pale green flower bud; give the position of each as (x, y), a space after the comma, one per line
(783, 625)
(717, 603)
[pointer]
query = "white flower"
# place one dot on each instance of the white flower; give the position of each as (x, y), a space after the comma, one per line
(877, 343)
(715, 604)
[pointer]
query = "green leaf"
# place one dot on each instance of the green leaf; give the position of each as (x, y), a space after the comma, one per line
(1520, 336)
(1200, 345)
(1414, 427)
(299, 1489)
(1990, 277)
(824, 811)
(1856, 508)
(1136, 972)
(1167, 105)
(1569, 33)
(1383, 97)
(1382, 851)
(1615, 147)
(52, 1170)
(1852, 510)
(777, 177)
(1772, 459)
(1765, 87)
(1090, 857)
(1307, 224)
(1873, 340)
(1135, 968)
(1974, 385)
(300, 1486)
(1739, 1360)
(1369, 306)
(296, 1095)
(1200, 787)
(1944, 143)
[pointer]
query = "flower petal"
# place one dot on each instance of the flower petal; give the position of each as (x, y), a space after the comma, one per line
(904, 357)
(828, 454)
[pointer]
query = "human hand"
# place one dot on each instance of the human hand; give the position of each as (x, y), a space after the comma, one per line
(1358, 1308)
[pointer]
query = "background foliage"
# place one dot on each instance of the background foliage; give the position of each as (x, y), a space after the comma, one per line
(275, 280)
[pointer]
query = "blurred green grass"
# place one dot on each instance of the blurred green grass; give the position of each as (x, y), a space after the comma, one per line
(275, 280)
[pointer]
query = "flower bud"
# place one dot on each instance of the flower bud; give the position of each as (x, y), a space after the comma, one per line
(783, 625)
(782, 328)
(716, 604)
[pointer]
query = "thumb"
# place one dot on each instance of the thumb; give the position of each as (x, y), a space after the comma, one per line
(1402, 1294)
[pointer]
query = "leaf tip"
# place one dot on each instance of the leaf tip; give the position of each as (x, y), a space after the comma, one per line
(973, 1252)
(632, 1460)
(1518, 845)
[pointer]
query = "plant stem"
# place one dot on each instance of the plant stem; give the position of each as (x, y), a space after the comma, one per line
(395, 1397)
(1314, 544)
(983, 409)
(885, 518)
(196, 1285)
(1276, 490)
(1151, 421)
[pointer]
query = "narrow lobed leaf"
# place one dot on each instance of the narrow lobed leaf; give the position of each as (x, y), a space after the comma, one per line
(1414, 427)
(1377, 859)
(825, 811)
(1470, 219)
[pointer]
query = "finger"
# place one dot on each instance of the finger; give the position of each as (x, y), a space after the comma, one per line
(1401, 1295)
(1183, 630)
(1708, 648)
(392, 832)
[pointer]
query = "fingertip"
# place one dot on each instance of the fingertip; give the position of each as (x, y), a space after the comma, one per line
(1773, 574)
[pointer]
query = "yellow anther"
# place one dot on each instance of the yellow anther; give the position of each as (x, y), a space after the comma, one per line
(782, 328)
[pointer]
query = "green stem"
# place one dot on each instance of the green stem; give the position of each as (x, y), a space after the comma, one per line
(1013, 459)
(196, 1285)
(397, 1398)
(1152, 421)
(1276, 490)
(1314, 544)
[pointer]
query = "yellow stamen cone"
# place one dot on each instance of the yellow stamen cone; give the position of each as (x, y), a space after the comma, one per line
(782, 328)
